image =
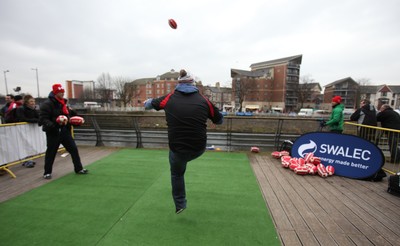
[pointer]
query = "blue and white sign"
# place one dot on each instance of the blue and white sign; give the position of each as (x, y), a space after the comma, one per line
(351, 156)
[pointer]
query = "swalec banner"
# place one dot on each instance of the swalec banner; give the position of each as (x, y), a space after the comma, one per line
(351, 156)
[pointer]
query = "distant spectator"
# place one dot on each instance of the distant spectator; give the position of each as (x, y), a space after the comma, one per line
(27, 112)
(365, 115)
(336, 120)
(9, 99)
(11, 113)
(390, 119)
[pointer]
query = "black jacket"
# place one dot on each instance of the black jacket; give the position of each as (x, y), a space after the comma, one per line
(186, 115)
(365, 115)
(27, 114)
(49, 111)
(389, 119)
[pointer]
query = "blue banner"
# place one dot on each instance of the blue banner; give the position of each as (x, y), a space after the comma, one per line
(351, 156)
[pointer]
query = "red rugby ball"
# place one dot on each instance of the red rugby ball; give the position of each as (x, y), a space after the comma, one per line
(62, 120)
(172, 23)
(76, 120)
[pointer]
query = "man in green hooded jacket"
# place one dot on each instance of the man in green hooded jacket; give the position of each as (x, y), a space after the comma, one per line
(335, 123)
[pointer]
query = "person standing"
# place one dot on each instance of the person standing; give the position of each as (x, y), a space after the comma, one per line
(9, 99)
(391, 119)
(11, 112)
(336, 120)
(186, 113)
(365, 115)
(57, 134)
(27, 112)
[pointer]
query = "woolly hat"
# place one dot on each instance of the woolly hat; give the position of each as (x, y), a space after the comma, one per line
(184, 78)
(337, 99)
(57, 88)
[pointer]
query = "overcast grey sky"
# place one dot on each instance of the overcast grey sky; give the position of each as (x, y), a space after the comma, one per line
(80, 39)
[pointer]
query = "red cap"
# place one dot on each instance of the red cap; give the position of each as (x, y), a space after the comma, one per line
(337, 99)
(57, 88)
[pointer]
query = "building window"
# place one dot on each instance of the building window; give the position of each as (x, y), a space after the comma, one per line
(384, 94)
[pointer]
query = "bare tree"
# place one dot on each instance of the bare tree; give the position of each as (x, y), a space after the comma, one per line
(124, 89)
(363, 81)
(243, 87)
(87, 95)
(104, 87)
(304, 91)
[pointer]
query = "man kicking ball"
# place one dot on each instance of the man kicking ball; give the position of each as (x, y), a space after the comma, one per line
(186, 113)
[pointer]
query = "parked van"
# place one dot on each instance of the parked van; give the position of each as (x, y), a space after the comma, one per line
(308, 112)
(276, 111)
(91, 105)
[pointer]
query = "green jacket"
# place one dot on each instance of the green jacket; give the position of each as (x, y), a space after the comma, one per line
(336, 120)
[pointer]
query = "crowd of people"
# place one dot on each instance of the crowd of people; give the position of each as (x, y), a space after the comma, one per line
(23, 109)
(187, 112)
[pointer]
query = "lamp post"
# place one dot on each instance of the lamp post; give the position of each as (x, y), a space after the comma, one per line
(5, 80)
(37, 80)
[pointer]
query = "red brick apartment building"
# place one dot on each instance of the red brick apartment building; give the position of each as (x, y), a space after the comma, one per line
(78, 89)
(154, 87)
(347, 88)
(275, 84)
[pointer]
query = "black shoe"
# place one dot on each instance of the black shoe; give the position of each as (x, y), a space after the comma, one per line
(179, 210)
(83, 171)
(47, 176)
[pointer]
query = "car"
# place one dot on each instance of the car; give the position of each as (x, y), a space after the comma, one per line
(307, 112)
(239, 114)
(321, 113)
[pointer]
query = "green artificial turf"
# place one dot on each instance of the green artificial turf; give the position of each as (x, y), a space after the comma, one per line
(126, 200)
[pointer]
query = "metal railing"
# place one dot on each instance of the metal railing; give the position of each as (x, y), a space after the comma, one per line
(148, 131)
(386, 139)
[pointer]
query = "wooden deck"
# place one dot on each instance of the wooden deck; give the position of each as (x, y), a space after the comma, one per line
(309, 210)
(306, 210)
(29, 178)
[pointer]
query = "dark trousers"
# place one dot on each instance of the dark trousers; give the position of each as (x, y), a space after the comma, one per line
(393, 138)
(178, 162)
(54, 139)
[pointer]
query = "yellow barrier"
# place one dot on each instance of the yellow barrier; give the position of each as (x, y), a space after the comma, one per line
(386, 139)
(20, 142)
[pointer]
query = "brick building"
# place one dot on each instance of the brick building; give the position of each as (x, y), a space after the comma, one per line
(78, 89)
(381, 94)
(220, 96)
(347, 88)
(154, 87)
(271, 84)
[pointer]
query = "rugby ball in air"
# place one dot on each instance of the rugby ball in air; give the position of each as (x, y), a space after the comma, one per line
(62, 120)
(76, 120)
(172, 23)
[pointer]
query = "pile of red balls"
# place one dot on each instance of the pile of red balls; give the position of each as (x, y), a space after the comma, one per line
(310, 164)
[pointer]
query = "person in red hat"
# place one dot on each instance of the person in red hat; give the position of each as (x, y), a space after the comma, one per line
(56, 133)
(336, 120)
